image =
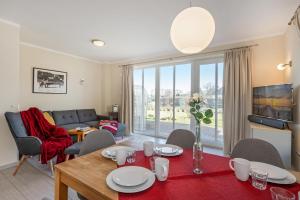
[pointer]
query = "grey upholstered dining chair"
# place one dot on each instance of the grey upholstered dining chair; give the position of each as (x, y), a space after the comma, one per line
(181, 137)
(94, 141)
(257, 150)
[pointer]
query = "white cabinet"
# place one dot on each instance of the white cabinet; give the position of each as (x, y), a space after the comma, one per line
(281, 139)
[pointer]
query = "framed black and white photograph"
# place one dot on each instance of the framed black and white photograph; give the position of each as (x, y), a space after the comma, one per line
(49, 81)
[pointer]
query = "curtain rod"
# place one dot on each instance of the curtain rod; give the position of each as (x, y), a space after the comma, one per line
(188, 56)
(294, 16)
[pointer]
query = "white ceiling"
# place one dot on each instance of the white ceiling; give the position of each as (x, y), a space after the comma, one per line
(137, 29)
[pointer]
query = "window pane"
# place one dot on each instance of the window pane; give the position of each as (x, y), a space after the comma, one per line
(166, 101)
(220, 102)
(149, 100)
(138, 120)
(182, 95)
(207, 89)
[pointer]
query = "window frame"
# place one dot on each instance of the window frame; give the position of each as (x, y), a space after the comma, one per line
(194, 87)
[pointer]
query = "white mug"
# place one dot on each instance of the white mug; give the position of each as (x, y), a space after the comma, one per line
(241, 168)
(121, 156)
(161, 168)
(148, 148)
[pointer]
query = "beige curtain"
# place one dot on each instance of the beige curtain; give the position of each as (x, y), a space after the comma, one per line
(298, 18)
(237, 96)
(127, 94)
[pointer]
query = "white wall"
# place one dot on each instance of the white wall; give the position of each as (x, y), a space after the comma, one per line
(292, 37)
(86, 95)
(112, 86)
(266, 56)
(9, 88)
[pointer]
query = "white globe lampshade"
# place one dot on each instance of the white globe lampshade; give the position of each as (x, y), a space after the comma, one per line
(192, 30)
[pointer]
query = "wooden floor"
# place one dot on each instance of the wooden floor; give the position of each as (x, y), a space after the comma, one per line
(31, 184)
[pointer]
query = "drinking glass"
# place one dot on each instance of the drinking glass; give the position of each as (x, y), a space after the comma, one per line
(259, 178)
(278, 193)
(131, 156)
(152, 160)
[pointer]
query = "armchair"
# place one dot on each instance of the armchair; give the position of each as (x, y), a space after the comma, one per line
(27, 145)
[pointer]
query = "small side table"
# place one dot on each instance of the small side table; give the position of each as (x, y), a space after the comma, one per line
(114, 115)
(80, 134)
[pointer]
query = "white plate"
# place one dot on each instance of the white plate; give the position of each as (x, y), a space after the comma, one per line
(130, 176)
(273, 171)
(133, 189)
(165, 152)
(110, 152)
(168, 150)
(290, 179)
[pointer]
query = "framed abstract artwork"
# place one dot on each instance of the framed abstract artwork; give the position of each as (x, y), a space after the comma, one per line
(49, 81)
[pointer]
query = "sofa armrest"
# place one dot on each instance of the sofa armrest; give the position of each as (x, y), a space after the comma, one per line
(29, 145)
(104, 117)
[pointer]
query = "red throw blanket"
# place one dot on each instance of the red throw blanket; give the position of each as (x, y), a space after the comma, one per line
(54, 139)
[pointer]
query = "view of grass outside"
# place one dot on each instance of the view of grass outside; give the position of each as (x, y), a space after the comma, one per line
(181, 116)
(174, 95)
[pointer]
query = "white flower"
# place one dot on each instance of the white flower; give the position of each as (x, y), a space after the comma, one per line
(196, 96)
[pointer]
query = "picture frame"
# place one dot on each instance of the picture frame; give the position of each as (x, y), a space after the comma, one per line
(48, 81)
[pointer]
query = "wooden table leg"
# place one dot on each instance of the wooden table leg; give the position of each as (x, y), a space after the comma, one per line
(61, 190)
(78, 137)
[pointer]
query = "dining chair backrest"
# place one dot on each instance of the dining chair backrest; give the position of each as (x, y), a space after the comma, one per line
(181, 137)
(257, 150)
(96, 140)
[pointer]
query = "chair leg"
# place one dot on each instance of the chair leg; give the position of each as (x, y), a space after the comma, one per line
(51, 167)
(22, 160)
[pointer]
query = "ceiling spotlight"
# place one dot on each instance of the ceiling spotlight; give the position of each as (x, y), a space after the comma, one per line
(283, 66)
(98, 43)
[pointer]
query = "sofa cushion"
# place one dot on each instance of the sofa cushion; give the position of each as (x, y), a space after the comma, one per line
(94, 124)
(15, 124)
(72, 126)
(86, 115)
(65, 117)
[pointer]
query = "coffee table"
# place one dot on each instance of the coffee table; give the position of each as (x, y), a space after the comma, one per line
(80, 133)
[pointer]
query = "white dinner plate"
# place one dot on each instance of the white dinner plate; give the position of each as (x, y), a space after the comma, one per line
(168, 150)
(133, 189)
(274, 172)
(130, 176)
(110, 152)
(290, 179)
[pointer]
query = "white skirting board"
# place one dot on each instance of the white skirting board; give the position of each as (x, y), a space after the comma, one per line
(9, 165)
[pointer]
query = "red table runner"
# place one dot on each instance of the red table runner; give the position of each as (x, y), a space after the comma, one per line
(217, 181)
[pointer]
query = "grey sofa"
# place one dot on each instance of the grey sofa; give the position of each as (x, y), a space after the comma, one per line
(70, 119)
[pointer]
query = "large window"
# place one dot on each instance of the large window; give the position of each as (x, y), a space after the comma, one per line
(211, 88)
(161, 95)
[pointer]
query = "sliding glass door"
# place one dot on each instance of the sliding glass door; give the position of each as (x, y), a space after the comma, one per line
(144, 101)
(161, 96)
(211, 88)
(166, 101)
(174, 87)
(182, 95)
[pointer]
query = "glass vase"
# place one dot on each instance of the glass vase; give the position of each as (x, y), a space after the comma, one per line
(197, 151)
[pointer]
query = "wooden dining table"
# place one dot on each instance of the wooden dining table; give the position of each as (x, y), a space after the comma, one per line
(87, 175)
